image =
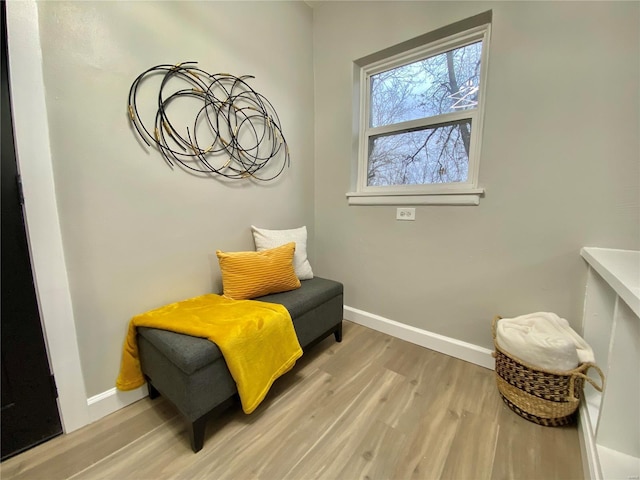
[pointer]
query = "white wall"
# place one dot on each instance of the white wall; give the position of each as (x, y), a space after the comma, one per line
(560, 165)
(137, 234)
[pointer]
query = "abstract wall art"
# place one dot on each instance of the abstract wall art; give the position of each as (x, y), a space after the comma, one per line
(208, 123)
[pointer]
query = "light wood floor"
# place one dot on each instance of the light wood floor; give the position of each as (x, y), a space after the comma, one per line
(371, 407)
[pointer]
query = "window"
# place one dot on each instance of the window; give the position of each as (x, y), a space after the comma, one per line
(420, 107)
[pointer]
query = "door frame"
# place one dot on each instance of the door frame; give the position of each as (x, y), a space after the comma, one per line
(33, 155)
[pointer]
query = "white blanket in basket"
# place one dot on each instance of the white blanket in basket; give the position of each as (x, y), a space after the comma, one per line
(543, 340)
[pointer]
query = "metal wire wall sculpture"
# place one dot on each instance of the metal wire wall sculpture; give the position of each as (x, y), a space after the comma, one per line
(236, 131)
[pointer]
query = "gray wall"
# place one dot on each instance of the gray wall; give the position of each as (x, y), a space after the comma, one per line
(137, 234)
(560, 165)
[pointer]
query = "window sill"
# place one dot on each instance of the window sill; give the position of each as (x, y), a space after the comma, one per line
(469, 196)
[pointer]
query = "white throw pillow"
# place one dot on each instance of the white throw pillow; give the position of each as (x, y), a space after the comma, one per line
(267, 239)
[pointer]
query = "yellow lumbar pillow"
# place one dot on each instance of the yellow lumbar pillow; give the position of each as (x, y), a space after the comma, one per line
(253, 274)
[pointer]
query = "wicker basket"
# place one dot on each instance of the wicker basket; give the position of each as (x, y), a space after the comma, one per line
(545, 397)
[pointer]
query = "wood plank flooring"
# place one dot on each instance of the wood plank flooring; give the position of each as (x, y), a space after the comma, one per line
(371, 407)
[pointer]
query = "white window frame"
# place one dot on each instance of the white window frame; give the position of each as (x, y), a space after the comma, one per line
(459, 193)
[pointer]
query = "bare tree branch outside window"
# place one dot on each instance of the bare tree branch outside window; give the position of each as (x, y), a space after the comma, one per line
(444, 83)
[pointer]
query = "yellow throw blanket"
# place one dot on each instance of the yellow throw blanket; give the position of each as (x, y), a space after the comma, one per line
(257, 340)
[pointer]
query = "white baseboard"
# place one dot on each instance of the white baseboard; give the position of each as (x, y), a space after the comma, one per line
(433, 341)
(112, 400)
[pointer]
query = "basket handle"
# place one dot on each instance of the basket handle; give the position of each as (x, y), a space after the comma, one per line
(583, 375)
(585, 368)
(494, 326)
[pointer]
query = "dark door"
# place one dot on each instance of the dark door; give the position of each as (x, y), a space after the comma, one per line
(29, 409)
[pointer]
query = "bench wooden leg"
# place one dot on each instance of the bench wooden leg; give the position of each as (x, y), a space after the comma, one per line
(338, 333)
(196, 433)
(153, 393)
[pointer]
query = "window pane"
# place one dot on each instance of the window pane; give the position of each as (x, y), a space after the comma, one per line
(444, 83)
(427, 156)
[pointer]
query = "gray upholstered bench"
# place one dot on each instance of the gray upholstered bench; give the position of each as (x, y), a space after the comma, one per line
(191, 372)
